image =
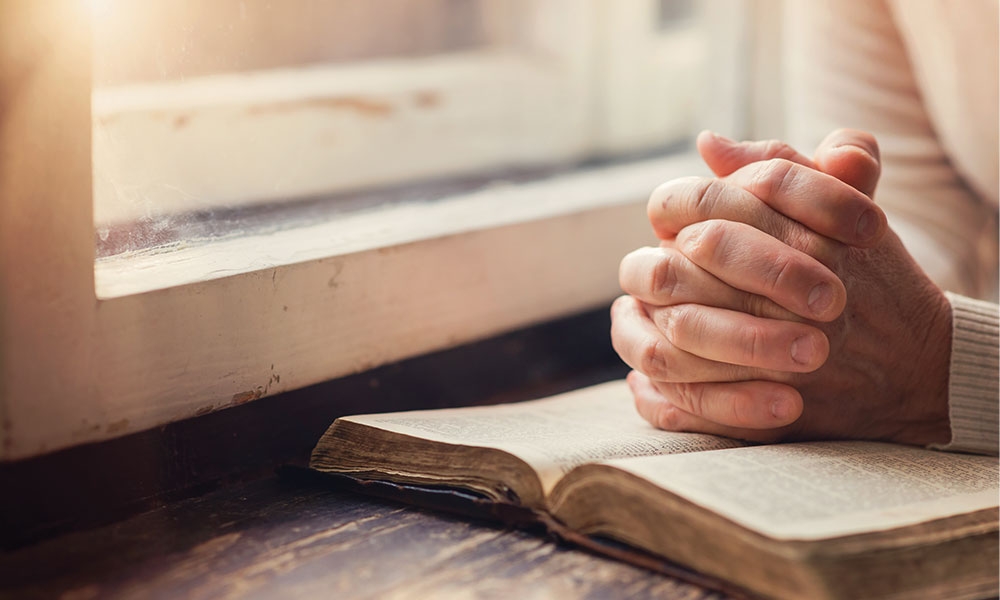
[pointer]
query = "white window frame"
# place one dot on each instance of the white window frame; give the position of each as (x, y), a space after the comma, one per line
(200, 329)
(558, 81)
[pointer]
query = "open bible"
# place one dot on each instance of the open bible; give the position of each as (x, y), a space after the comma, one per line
(803, 520)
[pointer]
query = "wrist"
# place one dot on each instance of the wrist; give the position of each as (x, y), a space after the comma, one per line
(925, 399)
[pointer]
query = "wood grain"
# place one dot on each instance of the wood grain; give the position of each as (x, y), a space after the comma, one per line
(274, 538)
(98, 483)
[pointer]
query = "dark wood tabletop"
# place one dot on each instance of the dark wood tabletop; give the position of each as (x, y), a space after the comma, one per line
(275, 538)
(194, 509)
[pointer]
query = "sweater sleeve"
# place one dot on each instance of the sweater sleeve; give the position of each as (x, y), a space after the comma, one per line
(831, 81)
(974, 381)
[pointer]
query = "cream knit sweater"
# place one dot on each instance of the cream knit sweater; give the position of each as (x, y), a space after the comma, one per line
(922, 75)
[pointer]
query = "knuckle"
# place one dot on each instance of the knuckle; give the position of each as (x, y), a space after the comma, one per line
(740, 407)
(665, 277)
(680, 202)
(667, 417)
(773, 177)
(683, 326)
(778, 149)
(777, 272)
(704, 242)
(800, 238)
(652, 359)
(691, 397)
(751, 343)
(704, 197)
(675, 322)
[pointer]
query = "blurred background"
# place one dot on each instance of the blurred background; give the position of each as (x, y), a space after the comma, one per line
(215, 118)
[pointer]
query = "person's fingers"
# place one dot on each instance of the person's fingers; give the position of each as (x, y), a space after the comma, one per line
(665, 277)
(851, 156)
(734, 337)
(724, 155)
(638, 341)
(819, 201)
(758, 411)
(681, 202)
(677, 203)
(750, 260)
(738, 404)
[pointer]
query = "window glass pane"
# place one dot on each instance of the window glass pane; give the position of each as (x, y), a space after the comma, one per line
(217, 118)
(153, 40)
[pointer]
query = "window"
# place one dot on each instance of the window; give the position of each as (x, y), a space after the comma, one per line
(201, 109)
(217, 189)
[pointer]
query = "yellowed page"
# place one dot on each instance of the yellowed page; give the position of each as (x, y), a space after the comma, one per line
(826, 489)
(553, 435)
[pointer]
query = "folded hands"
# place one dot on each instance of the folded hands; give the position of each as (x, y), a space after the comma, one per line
(780, 305)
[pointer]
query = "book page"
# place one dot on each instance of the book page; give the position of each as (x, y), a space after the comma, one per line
(552, 435)
(826, 489)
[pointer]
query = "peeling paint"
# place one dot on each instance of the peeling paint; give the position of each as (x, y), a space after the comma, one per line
(245, 397)
(367, 107)
(258, 392)
(177, 119)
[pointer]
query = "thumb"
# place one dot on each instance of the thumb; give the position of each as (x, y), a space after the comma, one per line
(724, 156)
(851, 156)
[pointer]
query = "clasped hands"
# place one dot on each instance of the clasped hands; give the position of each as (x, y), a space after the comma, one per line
(780, 305)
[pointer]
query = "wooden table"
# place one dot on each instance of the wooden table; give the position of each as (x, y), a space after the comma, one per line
(276, 538)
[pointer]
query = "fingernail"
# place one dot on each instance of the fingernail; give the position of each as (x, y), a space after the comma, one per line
(803, 350)
(820, 298)
(867, 225)
(781, 409)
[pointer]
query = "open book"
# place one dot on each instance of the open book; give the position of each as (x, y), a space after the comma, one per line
(805, 520)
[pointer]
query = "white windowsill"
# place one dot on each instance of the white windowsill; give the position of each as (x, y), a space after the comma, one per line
(393, 226)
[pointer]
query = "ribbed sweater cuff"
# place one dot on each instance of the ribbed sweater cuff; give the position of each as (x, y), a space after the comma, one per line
(974, 380)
